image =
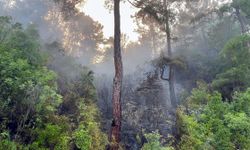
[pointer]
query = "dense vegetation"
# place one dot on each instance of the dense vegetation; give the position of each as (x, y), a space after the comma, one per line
(42, 108)
(214, 110)
(35, 112)
(216, 115)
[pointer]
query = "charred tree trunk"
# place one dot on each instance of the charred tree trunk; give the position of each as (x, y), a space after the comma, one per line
(115, 135)
(169, 50)
(241, 21)
(152, 34)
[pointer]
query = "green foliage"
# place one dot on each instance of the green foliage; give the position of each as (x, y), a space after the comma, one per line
(88, 134)
(240, 10)
(235, 69)
(79, 105)
(153, 142)
(235, 49)
(199, 96)
(176, 62)
(52, 136)
(216, 124)
(7, 144)
(243, 5)
(27, 89)
(30, 116)
(25, 41)
(82, 138)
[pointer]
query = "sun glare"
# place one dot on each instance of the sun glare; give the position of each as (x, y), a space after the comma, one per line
(9, 3)
(96, 10)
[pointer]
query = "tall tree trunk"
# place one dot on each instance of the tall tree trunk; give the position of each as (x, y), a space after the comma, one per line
(152, 34)
(117, 83)
(169, 50)
(241, 21)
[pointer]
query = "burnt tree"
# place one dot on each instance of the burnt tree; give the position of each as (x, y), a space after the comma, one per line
(160, 11)
(169, 50)
(115, 135)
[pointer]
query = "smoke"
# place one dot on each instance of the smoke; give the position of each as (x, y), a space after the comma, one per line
(77, 39)
(79, 36)
(29, 12)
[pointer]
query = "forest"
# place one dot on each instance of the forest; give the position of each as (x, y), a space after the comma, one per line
(124, 74)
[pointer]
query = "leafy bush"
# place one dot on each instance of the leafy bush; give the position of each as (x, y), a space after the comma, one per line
(218, 125)
(153, 142)
(235, 68)
(32, 112)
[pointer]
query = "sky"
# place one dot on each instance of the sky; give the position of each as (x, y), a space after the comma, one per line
(96, 10)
